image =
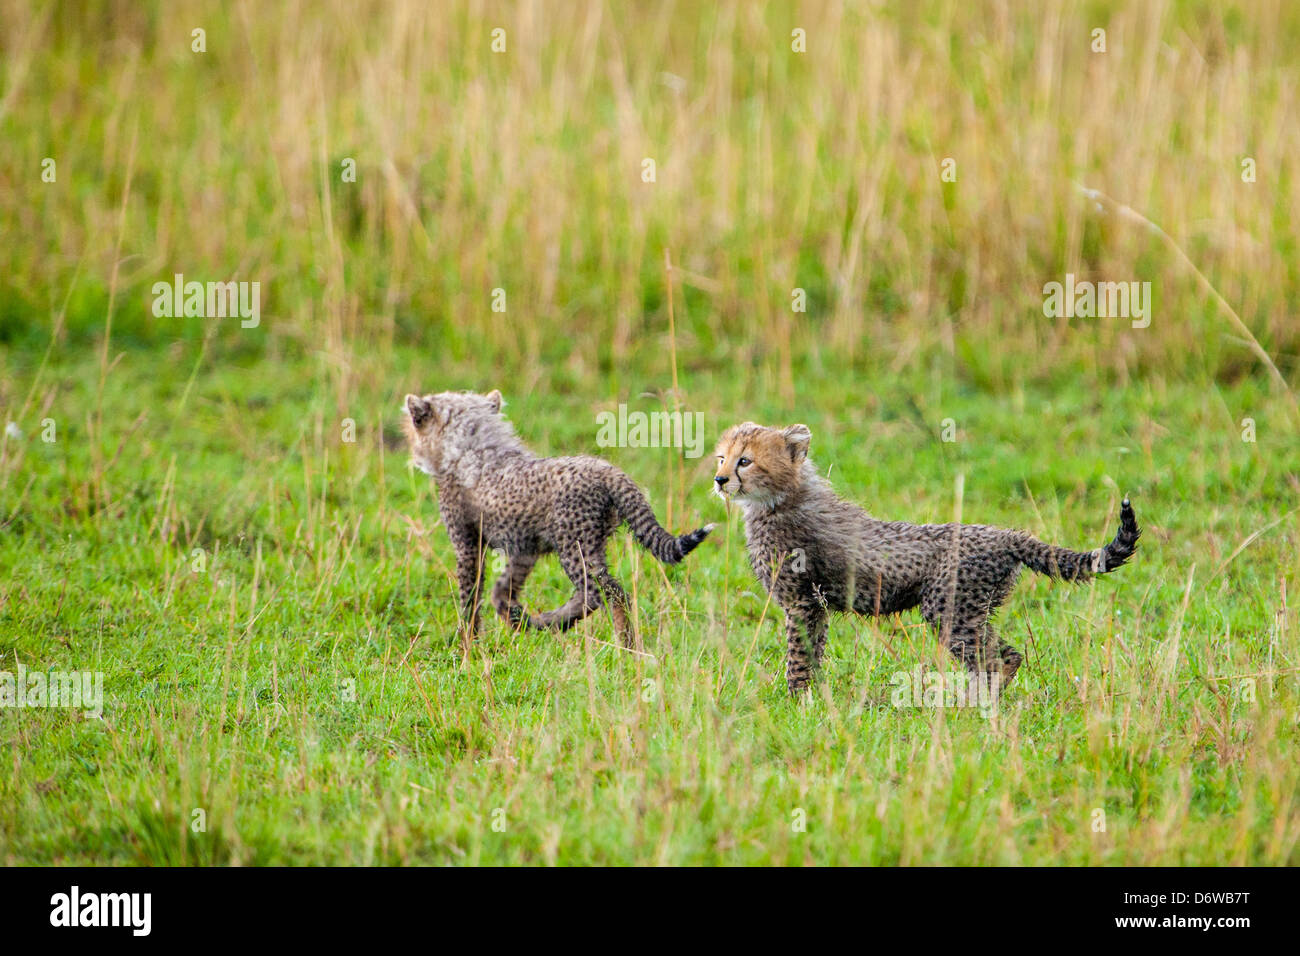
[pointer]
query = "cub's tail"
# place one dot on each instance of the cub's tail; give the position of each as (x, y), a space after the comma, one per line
(1081, 565)
(636, 511)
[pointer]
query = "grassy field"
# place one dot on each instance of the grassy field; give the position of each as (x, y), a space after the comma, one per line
(221, 521)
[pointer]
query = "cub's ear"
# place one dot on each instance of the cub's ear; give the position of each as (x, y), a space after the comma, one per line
(797, 438)
(494, 400)
(420, 410)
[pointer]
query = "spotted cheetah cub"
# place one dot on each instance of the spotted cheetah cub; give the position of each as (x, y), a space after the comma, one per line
(495, 493)
(816, 553)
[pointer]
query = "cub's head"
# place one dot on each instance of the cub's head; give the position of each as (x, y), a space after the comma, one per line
(441, 428)
(759, 465)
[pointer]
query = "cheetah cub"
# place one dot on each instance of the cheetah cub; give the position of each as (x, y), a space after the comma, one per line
(816, 553)
(495, 493)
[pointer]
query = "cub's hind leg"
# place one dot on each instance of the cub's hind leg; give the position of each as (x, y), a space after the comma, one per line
(507, 590)
(957, 604)
(617, 602)
(1010, 659)
(965, 631)
(590, 573)
(981, 652)
(583, 570)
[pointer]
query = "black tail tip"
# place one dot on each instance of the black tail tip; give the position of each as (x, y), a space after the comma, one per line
(1125, 543)
(689, 542)
(1127, 519)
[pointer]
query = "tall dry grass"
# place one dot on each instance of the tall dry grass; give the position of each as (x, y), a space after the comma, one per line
(522, 170)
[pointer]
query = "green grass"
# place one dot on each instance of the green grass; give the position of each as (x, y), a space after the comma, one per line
(227, 690)
(272, 607)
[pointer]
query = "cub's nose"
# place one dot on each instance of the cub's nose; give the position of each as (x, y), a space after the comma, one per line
(720, 479)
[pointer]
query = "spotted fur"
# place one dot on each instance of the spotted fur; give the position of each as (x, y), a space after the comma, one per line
(495, 493)
(817, 553)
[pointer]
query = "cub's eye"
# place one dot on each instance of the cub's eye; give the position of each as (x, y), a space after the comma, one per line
(743, 462)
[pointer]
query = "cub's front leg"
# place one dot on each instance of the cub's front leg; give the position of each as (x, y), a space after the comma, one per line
(798, 662)
(805, 633)
(508, 588)
(805, 641)
(470, 569)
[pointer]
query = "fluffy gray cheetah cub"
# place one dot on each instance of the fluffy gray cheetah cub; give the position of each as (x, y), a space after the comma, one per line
(816, 553)
(495, 493)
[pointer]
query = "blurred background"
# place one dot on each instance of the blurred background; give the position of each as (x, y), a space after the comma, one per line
(774, 170)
